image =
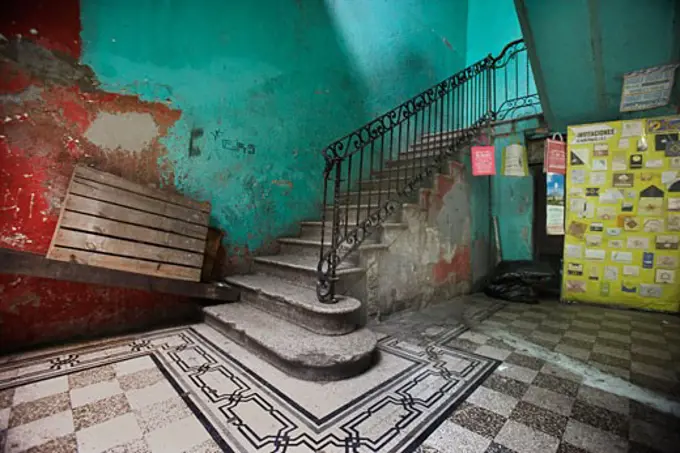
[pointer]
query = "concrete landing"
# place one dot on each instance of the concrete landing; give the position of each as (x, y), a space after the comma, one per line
(296, 351)
(298, 304)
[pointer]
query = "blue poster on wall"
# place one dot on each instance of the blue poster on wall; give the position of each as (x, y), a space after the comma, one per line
(554, 218)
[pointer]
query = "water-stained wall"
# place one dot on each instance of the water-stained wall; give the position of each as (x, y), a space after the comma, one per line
(223, 101)
(263, 86)
(53, 113)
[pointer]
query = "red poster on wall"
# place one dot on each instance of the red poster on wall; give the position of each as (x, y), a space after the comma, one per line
(555, 159)
(483, 160)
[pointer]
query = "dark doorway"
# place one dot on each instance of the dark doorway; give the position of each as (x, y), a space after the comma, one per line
(547, 248)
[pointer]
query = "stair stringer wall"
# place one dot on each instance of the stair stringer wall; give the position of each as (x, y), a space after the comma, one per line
(431, 257)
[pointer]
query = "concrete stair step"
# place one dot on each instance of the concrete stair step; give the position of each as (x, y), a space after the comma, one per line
(396, 172)
(302, 270)
(433, 143)
(298, 304)
(374, 197)
(312, 230)
(436, 136)
(291, 348)
(310, 247)
(410, 161)
(354, 213)
(389, 183)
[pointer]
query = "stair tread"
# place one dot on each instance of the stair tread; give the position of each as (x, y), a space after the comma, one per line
(372, 191)
(291, 342)
(383, 225)
(293, 294)
(307, 241)
(308, 263)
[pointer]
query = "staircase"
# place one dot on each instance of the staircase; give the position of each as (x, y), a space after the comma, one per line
(305, 309)
(279, 316)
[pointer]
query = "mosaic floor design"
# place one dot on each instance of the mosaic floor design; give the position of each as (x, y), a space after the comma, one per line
(190, 389)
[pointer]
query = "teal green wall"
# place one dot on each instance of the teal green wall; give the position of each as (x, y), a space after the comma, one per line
(582, 48)
(491, 25)
(513, 197)
(285, 76)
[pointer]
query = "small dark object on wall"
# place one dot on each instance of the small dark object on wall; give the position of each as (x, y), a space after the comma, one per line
(194, 150)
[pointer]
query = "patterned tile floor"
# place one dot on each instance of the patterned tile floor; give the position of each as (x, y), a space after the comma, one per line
(534, 403)
(523, 378)
(190, 389)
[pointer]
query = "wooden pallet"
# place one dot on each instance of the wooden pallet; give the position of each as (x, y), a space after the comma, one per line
(107, 221)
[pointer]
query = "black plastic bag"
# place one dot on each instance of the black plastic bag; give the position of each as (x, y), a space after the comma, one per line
(516, 281)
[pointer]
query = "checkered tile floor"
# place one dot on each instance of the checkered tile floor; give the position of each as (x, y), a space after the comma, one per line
(529, 405)
(128, 407)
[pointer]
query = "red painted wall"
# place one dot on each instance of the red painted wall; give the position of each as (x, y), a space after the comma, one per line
(47, 101)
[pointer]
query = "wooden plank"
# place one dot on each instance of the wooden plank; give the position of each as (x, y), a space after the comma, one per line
(116, 181)
(31, 264)
(114, 212)
(103, 244)
(111, 194)
(125, 264)
(61, 213)
(113, 228)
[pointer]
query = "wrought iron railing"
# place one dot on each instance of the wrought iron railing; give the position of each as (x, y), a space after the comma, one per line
(369, 171)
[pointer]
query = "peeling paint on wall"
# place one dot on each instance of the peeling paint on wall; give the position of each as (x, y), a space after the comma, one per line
(48, 102)
(238, 84)
(430, 259)
(130, 131)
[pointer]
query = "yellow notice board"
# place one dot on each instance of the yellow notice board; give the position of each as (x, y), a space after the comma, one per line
(623, 214)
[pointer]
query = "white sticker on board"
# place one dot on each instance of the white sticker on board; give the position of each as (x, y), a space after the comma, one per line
(595, 254)
(611, 273)
(597, 178)
(599, 165)
(622, 257)
(573, 251)
(631, 271)
(647, 290)
(579, 176)
(631, 128)
(668, 177)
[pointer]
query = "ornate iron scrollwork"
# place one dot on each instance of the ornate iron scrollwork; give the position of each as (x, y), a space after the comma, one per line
(467, 100)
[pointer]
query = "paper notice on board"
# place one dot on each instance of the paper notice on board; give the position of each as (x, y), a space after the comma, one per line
(668, 177)
(647, 88)
(554, 220)
(624, 143)
(573, 251)
(555, 203)
(592, 133)
(632, 129)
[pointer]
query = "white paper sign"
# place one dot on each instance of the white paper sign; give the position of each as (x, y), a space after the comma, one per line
(611, 273)
(514, 160)
(573, 251)
(622, 257)
(597, 178)
(592, 133)
(668, 177)
(647, 88)
(611, 196)
(631, 129)
(599, 164)
(595, 254)
(631, 271)
(554, 220)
